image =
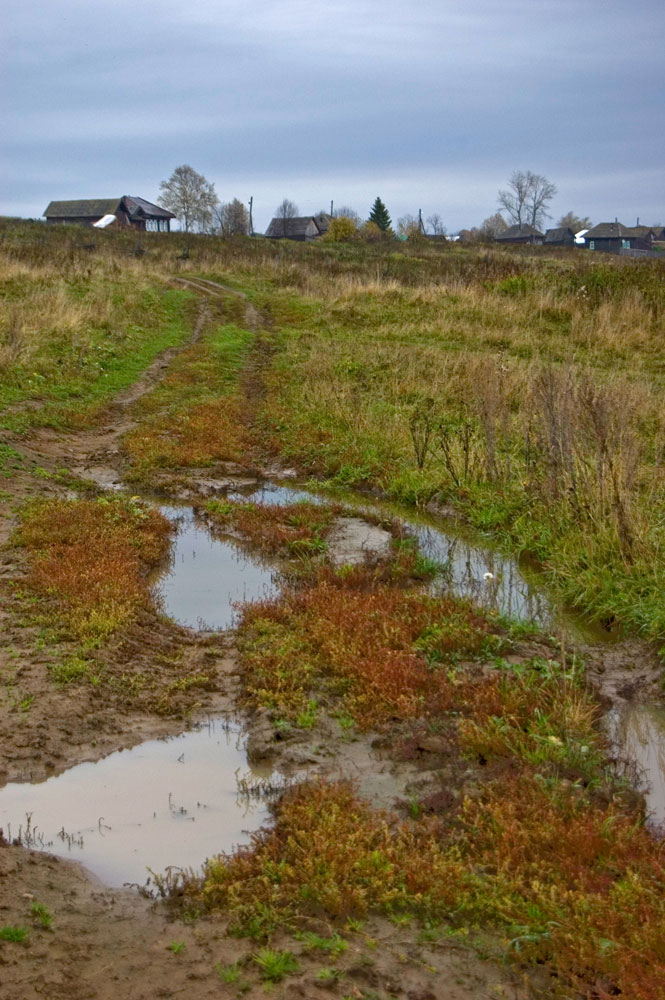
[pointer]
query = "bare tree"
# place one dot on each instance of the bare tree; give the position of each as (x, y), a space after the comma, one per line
(435, 224)
(574, 222)
(232, 218)
(287, 210)
(408, 226)
(493, 226)
(190, 197)
(346, 212)
(527, 197)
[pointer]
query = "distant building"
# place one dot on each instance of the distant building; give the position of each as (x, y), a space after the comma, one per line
(127, 212)
(520, 234)
(614, 237)
(301, 228)
(561, 237)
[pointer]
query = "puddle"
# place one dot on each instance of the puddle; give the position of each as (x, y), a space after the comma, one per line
(272, 494)
(638, 734)
(206, 575)
(164, 802)
(473, 569)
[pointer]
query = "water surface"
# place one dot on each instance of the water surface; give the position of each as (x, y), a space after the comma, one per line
(164, 802)
(207, 575)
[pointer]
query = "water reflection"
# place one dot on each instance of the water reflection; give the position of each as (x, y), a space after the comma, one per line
(638, 735)
(164, 802)
(207, 575)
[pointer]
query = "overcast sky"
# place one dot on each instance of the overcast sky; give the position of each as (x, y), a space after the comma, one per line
(428, 103)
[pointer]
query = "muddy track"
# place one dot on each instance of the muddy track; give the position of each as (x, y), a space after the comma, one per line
(102, 940)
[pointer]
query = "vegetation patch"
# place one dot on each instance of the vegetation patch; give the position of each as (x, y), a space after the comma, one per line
(381, 650)
(89, 558)
(194, 417)
(74, 331)
(563, 881)
(290, 530)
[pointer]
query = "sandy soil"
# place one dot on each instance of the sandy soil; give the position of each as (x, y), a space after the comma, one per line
(105, 943)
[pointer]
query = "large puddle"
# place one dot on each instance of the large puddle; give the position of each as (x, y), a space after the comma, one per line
(165, 802)
(470, 569)
(206, 576)
(176, 802)
(512, 588)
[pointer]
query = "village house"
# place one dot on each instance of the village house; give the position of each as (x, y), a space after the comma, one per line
(127, 212)
(614, 237)
(561, 237)
(301, 228)
(520, 234)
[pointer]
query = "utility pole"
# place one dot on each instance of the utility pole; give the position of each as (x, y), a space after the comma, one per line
(251, 223)
(331, 207)
(420, 221)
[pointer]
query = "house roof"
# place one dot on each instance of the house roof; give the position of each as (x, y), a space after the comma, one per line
(139, 206)
(644, 231)
(606, 231)
(322, 221)
(517, 232)
(563, 233)
(85, 209)
(91, 208)
(298, 226)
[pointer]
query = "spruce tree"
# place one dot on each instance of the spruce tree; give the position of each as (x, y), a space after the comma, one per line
(379, 215)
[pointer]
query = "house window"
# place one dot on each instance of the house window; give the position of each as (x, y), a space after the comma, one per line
(625, 244)
(592, 244)
(152, 225)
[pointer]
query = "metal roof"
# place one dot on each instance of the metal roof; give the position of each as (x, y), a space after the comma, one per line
(285, 228)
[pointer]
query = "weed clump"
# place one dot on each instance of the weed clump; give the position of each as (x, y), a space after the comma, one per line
(291, 530)
(88, 559)
(360, 644)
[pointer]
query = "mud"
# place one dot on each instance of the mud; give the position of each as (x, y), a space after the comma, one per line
(105, 941)
(109, 943)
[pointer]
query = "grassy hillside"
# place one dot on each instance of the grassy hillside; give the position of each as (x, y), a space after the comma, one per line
(520, 386)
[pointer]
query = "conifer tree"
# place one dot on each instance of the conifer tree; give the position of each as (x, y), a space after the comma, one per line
(379, 215)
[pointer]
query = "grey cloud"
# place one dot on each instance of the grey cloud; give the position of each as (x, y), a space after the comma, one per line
(286, 89)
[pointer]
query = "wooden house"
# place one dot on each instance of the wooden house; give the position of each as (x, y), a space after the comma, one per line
(520, 234)
(561, 237)
(613, 237)
(128, 211)
(302, 228)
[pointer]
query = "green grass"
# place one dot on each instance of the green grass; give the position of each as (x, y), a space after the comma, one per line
(42, 915)
(15, 934)
(73, 372)
(275, 965)
(193, 417)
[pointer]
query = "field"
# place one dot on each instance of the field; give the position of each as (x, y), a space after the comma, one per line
(456, 822)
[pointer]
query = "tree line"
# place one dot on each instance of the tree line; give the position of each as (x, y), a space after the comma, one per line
(525, 200)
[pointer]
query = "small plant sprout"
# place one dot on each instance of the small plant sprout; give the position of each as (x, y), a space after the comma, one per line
(274, 965)
(42, 914)
(329, 975)
(177, 947)
(16, 934)
(228, 973)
